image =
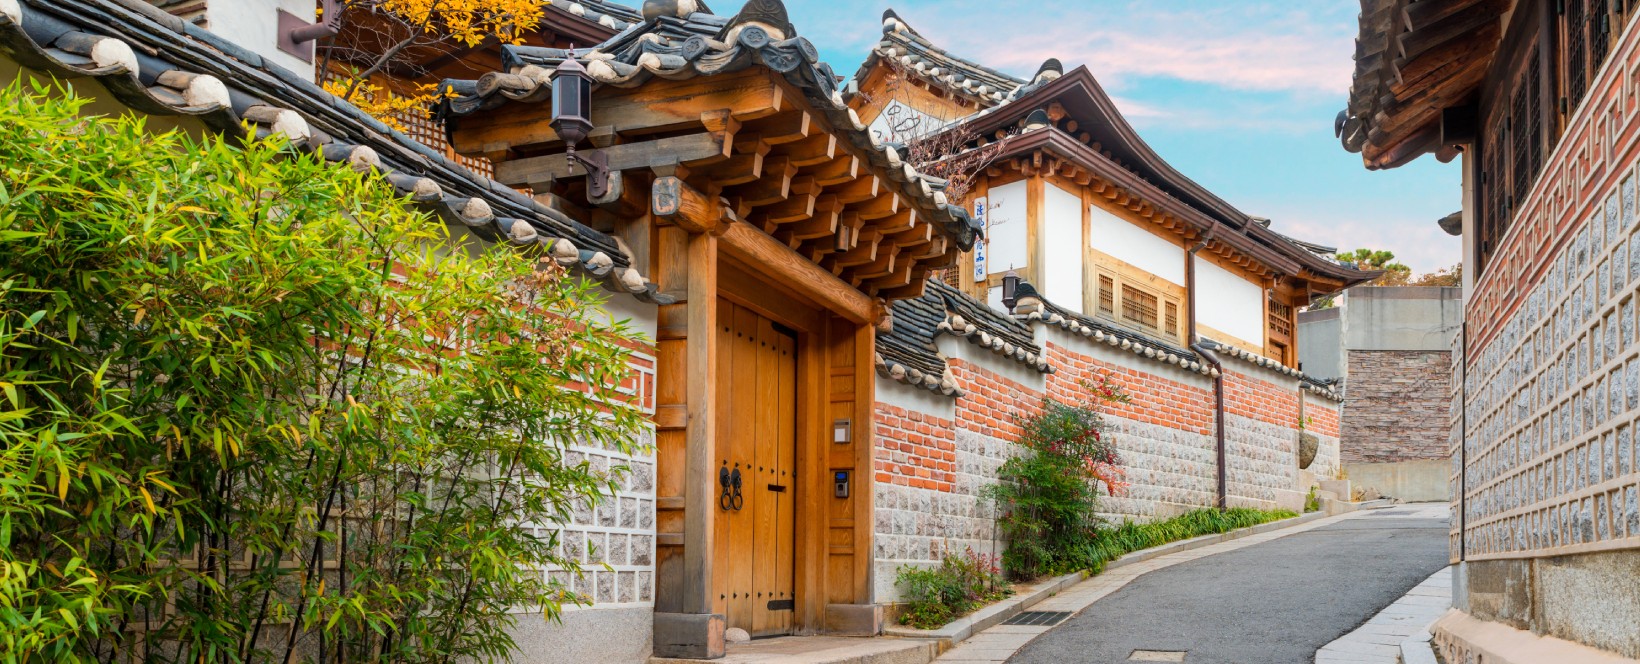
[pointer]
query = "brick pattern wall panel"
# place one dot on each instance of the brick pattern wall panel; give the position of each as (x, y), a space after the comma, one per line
(1397, 405)
(914, 449)
(618, 531)
(1552, 383)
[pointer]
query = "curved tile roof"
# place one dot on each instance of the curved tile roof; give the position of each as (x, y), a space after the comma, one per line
(908, 353)
(702, 44)
(156, 63)
(916, 53)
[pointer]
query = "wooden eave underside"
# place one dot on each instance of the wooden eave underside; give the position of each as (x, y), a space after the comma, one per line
(1412, 60)
(747, 150)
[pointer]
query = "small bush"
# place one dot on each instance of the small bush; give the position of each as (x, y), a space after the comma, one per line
(961, 584)
(1111, 543)
(1049, 495)
(1312, 502)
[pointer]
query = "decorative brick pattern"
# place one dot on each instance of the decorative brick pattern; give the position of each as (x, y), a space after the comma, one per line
(914, 449)
(1552, 388)
(1397, 405)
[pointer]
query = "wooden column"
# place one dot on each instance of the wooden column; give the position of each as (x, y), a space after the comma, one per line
(1036, 204)
(685, 267)
(700, 362)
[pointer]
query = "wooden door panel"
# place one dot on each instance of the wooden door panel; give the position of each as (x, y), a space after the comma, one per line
(756, 436)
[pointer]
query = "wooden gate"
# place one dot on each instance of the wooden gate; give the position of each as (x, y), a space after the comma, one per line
(756, 446)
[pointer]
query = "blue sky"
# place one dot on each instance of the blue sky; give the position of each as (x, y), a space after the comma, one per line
(1239, 95)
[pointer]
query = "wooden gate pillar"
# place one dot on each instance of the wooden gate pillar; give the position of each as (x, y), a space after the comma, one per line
(686, 267)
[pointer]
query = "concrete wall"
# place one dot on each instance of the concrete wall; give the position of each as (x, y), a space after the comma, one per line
(1321, 342)
(1416, 481)
(1401, 318)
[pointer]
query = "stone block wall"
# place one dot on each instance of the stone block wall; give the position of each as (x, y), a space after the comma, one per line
(935, 454)
(1397, 405)
(1549, 482)
(614, 540)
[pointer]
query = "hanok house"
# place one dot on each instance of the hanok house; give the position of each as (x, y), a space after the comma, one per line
(834, 370)
(1538, 98)
(1127, 267)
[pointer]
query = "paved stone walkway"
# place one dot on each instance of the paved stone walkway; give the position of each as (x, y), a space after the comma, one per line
(1379, 641)
(1213, 595)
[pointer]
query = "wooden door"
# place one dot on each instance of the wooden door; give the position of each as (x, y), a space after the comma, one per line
(752, 578)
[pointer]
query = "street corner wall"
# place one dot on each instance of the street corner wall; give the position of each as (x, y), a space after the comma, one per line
(1550, 484)
(936, 454)
(616, 622)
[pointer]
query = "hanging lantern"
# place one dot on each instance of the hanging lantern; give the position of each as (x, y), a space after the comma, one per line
(1010, 286)
(571, 102)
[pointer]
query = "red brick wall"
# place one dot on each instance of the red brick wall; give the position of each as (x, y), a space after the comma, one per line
(1256, 399)
(914, 449)
(1155, 399)
(1323, 414)
(990, 401)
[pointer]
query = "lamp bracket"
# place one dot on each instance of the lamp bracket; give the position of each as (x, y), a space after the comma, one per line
(597, 165)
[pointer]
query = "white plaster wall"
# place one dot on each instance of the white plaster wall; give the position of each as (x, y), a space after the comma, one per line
(1135, 246)
(1229, 303)
(1008, 246)
(254, 25)
(1062, 235)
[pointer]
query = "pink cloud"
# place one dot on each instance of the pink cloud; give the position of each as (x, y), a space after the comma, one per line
(1255, 47)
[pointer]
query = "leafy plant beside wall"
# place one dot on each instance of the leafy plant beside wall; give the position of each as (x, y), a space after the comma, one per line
(252, 407)
(1048, 497)
(959, 585)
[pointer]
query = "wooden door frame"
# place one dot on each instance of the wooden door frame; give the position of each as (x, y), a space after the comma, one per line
(751, 288)
(835, 379)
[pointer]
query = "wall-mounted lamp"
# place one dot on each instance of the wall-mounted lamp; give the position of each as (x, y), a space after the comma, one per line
(571, 113)
(1010, 286)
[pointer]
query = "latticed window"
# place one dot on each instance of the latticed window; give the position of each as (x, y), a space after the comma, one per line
(1138, 307)
(1525, 129)
(1599, 22)
(1576, 34)
(1107, 295)
(1170, 319)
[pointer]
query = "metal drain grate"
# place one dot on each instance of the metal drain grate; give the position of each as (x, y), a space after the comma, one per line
(1039, 618)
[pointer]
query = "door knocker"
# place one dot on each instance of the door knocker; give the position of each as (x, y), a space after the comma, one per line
(729, 483)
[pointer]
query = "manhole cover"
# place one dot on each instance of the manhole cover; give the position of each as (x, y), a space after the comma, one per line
(1040, 618)
(1157, 656)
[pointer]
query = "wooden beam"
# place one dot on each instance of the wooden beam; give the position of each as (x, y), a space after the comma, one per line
(542, 171)
(649, 109)
(773, 187)
(672, 200)
(860, 189)
(787, 266)
(700, 367)
(835, 172)
(816, 149)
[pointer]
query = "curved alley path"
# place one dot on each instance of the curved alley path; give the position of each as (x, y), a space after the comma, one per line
(1275, 602)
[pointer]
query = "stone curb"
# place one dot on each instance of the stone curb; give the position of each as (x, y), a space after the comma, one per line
(963, 628)
(1417, 650)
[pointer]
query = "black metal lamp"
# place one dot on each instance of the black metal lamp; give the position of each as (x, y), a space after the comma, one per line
(571, 118)
(1010, 287)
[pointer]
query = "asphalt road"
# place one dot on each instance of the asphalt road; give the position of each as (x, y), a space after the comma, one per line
(1272, 603)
